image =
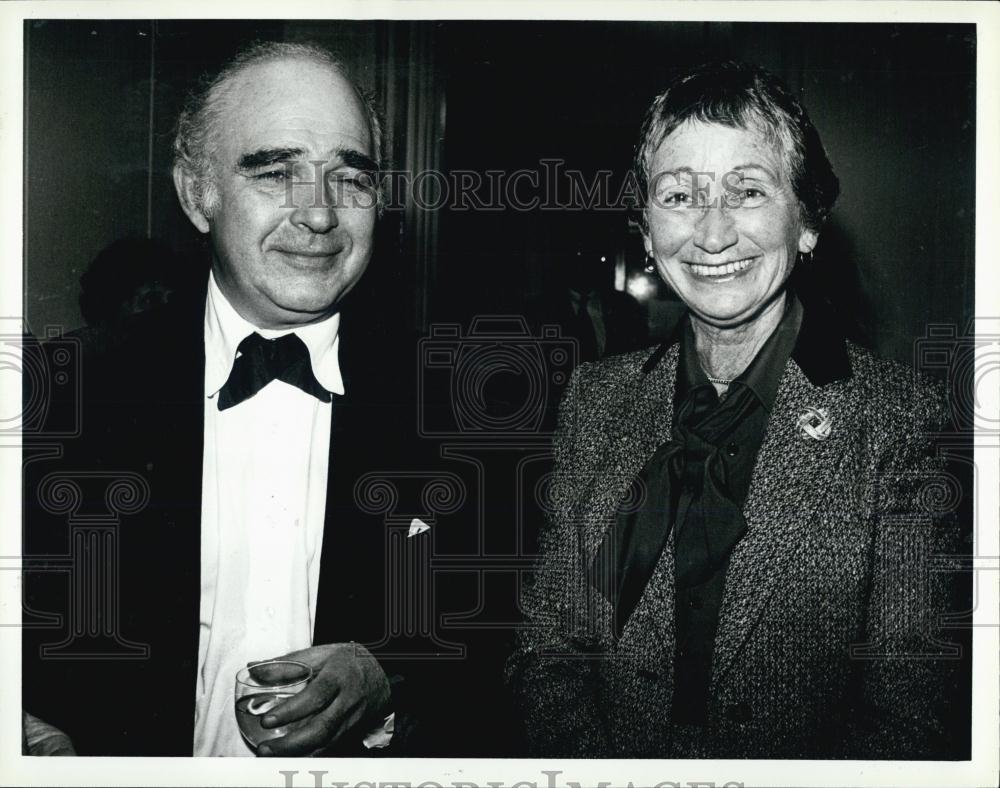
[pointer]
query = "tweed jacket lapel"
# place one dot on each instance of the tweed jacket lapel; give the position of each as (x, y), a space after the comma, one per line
(794, 477)
(643, 425)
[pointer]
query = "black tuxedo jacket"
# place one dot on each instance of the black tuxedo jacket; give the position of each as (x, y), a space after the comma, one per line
(112, 508)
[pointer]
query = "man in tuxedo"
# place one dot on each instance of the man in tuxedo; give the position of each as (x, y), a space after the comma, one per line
(216, 480)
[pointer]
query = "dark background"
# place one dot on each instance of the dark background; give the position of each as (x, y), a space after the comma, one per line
(895, 105)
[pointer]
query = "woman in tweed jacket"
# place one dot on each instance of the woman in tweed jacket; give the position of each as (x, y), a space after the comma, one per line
(737, 557)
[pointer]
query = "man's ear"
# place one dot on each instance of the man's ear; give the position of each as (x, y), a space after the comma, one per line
(807, 241)
(185, 183)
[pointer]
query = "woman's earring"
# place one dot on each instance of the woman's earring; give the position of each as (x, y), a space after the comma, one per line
(650, 267)
(806, 258)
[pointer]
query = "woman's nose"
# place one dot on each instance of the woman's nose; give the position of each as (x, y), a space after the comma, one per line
(716, 230)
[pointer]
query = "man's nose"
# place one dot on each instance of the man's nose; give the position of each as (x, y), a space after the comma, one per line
(317, 211)
(716, 230)
(315, 218)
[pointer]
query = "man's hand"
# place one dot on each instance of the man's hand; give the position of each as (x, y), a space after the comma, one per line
(348, 687)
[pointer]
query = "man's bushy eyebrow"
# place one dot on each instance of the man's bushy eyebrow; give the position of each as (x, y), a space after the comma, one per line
(357, 160)
(266, 157)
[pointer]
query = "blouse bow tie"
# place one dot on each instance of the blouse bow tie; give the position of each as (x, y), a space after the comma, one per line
(686, 490)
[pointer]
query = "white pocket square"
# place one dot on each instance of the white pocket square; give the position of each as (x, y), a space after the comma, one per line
(417, 526)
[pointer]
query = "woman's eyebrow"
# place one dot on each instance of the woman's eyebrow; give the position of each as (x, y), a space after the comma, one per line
(740, 168)
(682, 170)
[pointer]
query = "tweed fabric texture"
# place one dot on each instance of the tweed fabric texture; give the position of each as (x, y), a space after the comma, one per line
(826, 644)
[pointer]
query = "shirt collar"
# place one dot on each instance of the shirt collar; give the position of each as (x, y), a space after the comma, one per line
(764, 372)
(225, 329)
(820, 348)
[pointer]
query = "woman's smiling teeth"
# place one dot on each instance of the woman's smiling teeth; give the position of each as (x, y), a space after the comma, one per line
(722, 269)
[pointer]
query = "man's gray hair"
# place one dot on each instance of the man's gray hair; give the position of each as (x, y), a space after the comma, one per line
(195, 141)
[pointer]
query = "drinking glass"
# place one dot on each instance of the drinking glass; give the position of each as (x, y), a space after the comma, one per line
(262, 687)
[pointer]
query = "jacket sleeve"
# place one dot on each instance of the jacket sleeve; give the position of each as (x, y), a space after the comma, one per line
(552, 676)
(908, 667)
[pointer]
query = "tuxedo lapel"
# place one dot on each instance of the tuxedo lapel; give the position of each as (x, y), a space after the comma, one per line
(339, 550)
(350, 599)
(792, 479)
(337, 535)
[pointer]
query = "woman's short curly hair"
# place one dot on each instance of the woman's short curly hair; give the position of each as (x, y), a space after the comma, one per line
(195, 140)
(740, 95)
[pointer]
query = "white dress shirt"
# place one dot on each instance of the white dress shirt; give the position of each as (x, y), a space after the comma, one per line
(263, 506)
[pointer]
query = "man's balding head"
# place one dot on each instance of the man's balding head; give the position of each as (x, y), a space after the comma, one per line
(197, 132)
(276, 160)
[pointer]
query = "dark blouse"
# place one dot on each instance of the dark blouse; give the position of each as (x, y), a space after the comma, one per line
(720, 438)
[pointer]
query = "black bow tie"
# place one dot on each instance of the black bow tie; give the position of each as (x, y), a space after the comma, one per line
(263, 360)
